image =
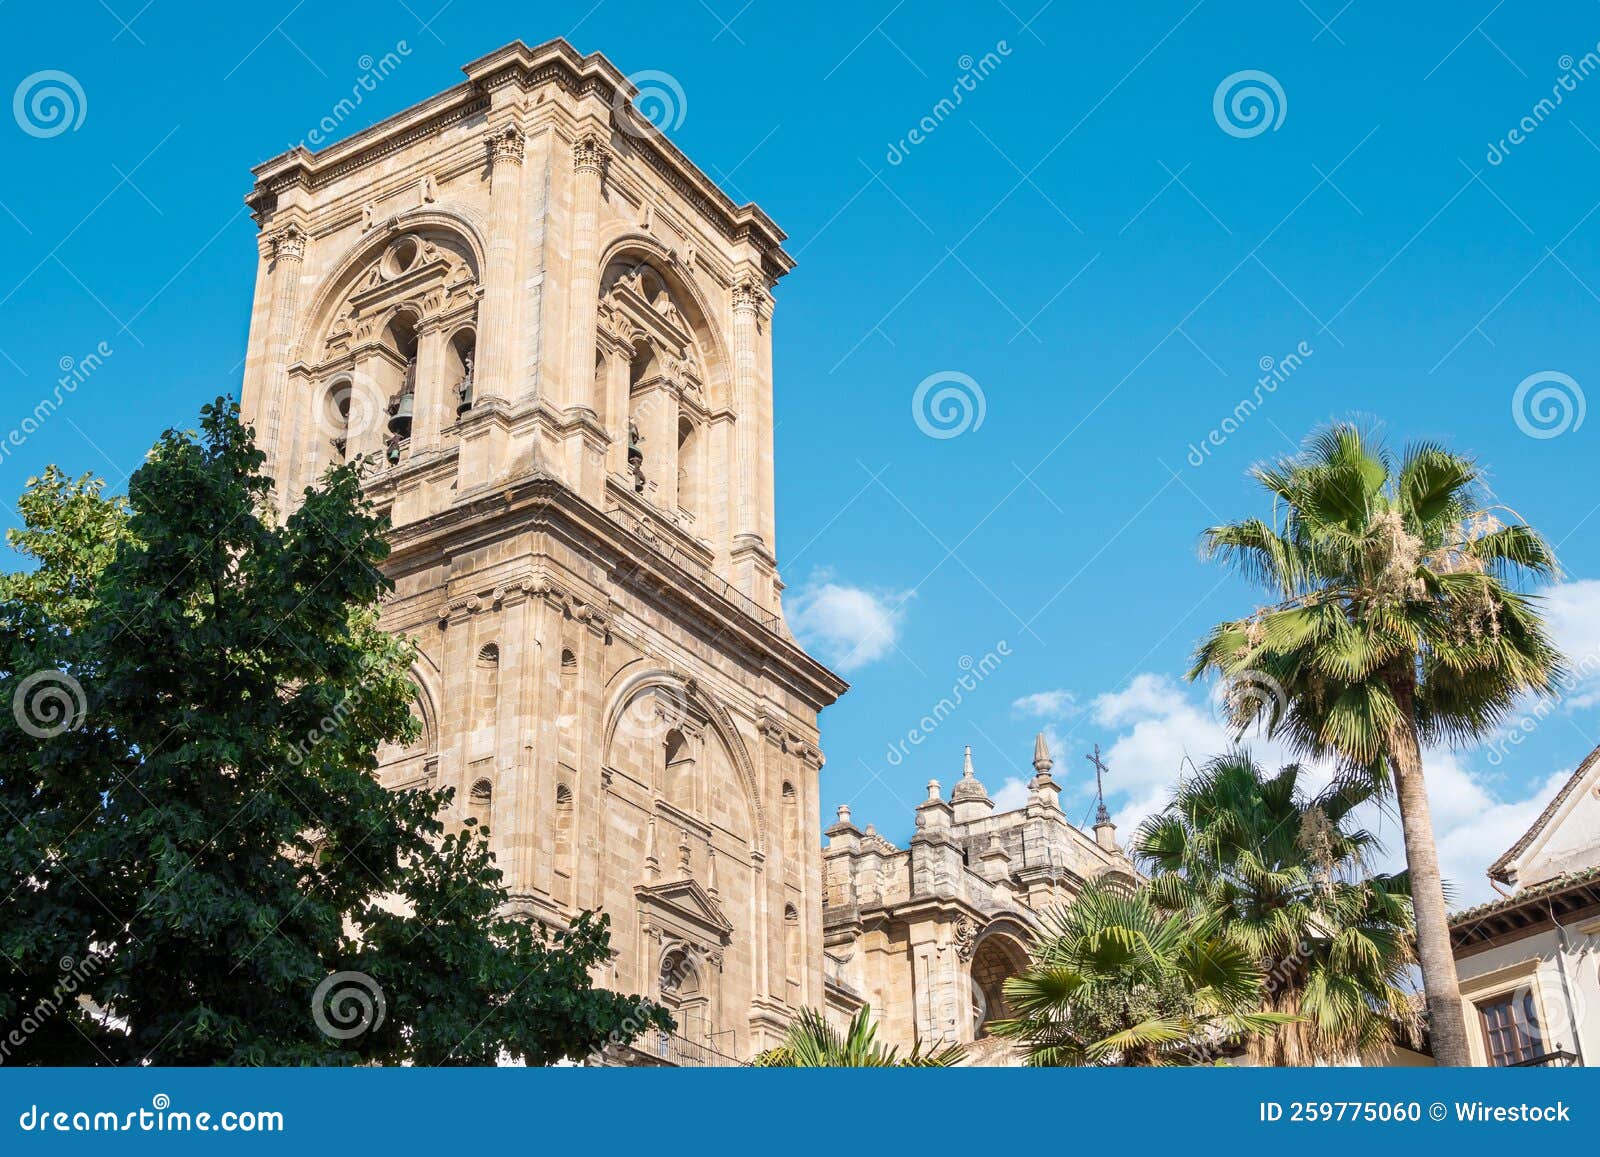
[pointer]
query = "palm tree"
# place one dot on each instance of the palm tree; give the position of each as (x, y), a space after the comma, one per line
(1116, 981)
(812, 1043)
(1283, 875)
(1394, 625)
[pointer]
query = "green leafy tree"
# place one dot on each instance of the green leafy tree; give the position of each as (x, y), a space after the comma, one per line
(1283, 875)
(812, 1043)
(197, 822)
(1116, 981)
(1393, 626)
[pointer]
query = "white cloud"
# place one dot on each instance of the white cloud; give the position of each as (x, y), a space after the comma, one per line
(1058, 704)
(848, 626)
(1573, 611)
(1012, 795)
(1161, 725)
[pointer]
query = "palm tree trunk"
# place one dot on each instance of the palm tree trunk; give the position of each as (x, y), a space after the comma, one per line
(1447, 1028)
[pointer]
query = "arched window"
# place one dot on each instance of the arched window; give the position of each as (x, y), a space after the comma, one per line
(396, 381)
(567, 722)
(995, 960)
(794, 966)
(690, 471)
(480, 802)
(378, 327)
(460, 356)
(333, 417)
(681, 784)
(684, 992)
(791, 820)
(486, 685)
(563, 857)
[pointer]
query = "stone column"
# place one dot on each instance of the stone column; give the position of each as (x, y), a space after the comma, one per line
(747, 297)
(656, 412)
(766, 490)
(618, 356)
(288, 257)
(430, 414)
(514, 793)
(455, 711)
(537, 864)
(589, 156)
(367, 426)
(589, 835)
(497, 308)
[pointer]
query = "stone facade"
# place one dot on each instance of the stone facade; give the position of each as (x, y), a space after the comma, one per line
(927, 934)
(551, 334)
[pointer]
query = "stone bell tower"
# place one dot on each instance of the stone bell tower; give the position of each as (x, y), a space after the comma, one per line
(549, 335)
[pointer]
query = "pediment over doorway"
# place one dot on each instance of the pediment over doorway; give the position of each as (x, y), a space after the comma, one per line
(685, 909)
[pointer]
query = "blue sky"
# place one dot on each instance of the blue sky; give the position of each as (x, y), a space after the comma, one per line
(1084, 243)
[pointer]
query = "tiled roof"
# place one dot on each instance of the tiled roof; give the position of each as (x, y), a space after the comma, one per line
(1547, 888)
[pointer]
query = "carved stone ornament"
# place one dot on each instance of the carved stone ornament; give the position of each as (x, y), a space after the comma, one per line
(966, 938)
(289, 243)
(507, 146)
(590, 153)
(747, 295)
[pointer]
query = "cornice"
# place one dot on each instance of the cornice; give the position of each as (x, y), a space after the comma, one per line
(517, 65)
(544, 504)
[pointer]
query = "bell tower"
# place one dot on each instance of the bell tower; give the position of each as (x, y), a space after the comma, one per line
(548, 336)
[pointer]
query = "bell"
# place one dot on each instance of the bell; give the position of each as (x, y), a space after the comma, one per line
(400, 411)
(464, 393)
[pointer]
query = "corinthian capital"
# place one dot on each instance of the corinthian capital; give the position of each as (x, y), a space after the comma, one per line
(748, 296)
(289, 243)
(589, 153)
(506, 146)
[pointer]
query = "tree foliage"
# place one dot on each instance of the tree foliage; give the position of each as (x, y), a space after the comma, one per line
(1116, 981)
(1284, 875)
(1395, 623)
(192, 816)
(812, 1043)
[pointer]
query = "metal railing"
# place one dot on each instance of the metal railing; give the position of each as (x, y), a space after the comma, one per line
(1559, 1059)
(680, 1050)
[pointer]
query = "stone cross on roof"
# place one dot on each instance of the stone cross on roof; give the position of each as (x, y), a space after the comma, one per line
(1101, 815)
